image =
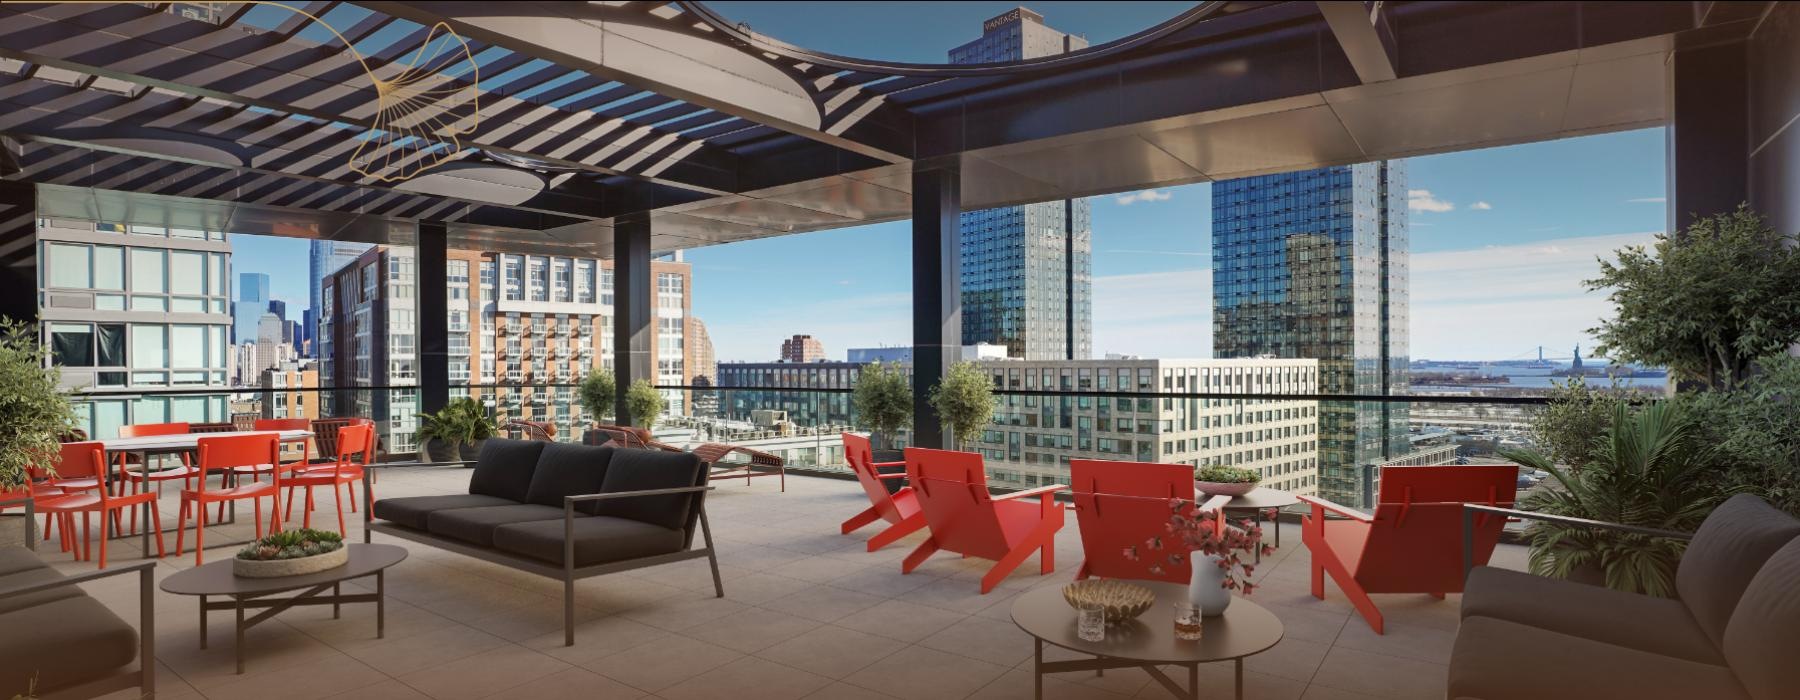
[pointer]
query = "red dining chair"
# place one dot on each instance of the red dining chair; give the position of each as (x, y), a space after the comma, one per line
(224, 453)
(37, 485)
(79, 458)
(325, 431)
(1120, 505)
(1413, 542)
(900, 509)
(274, 425)
(965, 519)
(140, 479)
(354, 443)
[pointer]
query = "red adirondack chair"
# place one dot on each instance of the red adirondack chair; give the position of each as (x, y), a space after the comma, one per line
(1413, 543)
(1120, 505)
(965, 519)
(901, 508)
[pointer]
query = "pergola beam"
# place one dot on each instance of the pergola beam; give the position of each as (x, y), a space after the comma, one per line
(1357, 27)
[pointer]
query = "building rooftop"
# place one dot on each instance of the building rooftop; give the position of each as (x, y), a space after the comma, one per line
(807, 613)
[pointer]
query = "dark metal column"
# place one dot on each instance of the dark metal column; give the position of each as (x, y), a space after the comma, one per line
(1708, 134)
(18, 251)
(936, 291)
(433, 316)
(1068, 279)
(634, 338)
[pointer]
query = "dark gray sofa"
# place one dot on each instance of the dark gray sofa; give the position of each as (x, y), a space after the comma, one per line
(565, 511)
(58, 642)
(1733, 633)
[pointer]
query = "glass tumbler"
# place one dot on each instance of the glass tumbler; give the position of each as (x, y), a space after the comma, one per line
(1091, 624)
(1187, 622)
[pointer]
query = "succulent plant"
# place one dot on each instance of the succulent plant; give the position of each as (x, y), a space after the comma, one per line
(292, 544)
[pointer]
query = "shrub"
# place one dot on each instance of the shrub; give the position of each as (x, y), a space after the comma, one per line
(34, 410)
(1752, 431)
(1226, 475)
(1569, 429)
(964, 401)
(460, 422)
(645, 403)
(598, 393)
(883, 401)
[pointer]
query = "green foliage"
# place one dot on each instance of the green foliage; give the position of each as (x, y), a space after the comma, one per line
(1219, 474)
(1569, 429)
(645, 403)
(460, 422)
(292, 544)
(34, 411)
(1752, 431)
(883, 400)
(964, 401)
(1647, 471)
(1707, 303)
(598, 392)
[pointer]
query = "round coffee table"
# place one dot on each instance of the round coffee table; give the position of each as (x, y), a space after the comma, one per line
(1260, 499)
(216, 579)
(1148, 641)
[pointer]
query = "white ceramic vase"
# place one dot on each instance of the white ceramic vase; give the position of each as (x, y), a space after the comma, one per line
(1205, 588)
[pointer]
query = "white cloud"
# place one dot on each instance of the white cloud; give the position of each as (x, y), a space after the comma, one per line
(1483, 206)
(1647, 200)
(1421, 200)
(1144, 196)
(1154, 314)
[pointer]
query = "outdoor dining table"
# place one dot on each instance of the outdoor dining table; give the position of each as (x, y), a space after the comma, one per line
(180, 443)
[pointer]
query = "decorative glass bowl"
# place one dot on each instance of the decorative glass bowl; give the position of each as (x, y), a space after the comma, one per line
(1121, 600)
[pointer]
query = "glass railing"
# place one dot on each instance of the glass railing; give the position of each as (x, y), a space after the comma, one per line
(1305, 444)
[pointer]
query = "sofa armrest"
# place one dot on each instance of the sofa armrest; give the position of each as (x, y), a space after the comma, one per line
(1470, 510)
(146, 572)
(415, 465)
(77, 579)
(1320, 505)
(569, 500)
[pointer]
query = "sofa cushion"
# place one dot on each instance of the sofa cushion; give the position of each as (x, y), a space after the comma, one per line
(598, 540)
(1497, 659)
(32, 577)
(476, 525)
(568, 470)
(504, 468)
(411, 510)
(1764, 634)
(63, 643)
(1641, 622)
(1731, 545)
(644, 469)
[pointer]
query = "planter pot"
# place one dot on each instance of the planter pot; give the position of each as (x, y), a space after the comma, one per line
(1214, 488)
(435, 450)
(1206, 588)
(472, 451)
(291, 567)
(12, 530)
(893, 485)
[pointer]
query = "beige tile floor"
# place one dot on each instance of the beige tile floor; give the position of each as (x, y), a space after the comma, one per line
(807, 613)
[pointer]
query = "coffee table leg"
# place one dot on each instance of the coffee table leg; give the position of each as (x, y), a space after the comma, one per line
(202, 622)
(381, 604)
(1037, 668)
(240, 633)
(1194, 682)
(1238, 682)
(336, 609)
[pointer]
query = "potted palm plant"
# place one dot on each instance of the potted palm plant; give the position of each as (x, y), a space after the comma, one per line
(883, 400)
(455, 432)
(1647, 470)
(964, 401)
(34, 413)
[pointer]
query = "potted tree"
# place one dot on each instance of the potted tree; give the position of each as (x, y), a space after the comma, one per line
(34, 413)
(597, 393)
(1648, 470)
(645, 403)
(964, 401)
(883, 401)
(455, 432)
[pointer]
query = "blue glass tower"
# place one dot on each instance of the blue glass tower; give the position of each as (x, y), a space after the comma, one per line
(1313, 264)
(251, 303)
(1027, 271)
(327, 257)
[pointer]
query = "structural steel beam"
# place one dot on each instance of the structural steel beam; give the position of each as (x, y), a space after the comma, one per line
(1357, 27)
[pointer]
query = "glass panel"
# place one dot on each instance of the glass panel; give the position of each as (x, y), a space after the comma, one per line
(149, 304)
(68, 266)
(108, 416)
(150, 410)
(109, 267)
(150, 378)
(190, 409)
(149, 347)
(109, 302)
(190, 378)
(216, 339)
(111, 339)
(111, 378)
(72, 344)
(187, 272)
(188, 346)
(215, 268)
(187, 305)
(147, 271)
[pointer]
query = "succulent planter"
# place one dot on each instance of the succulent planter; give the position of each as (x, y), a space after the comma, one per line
(275, 568)
(1217, 488)
(435, 450)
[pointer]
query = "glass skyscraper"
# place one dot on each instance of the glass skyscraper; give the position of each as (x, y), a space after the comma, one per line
(1313, 264)
(327, 257)
(251, 303)
(1027, 271)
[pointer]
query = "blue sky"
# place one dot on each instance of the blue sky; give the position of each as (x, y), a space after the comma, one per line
(1501, 237)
